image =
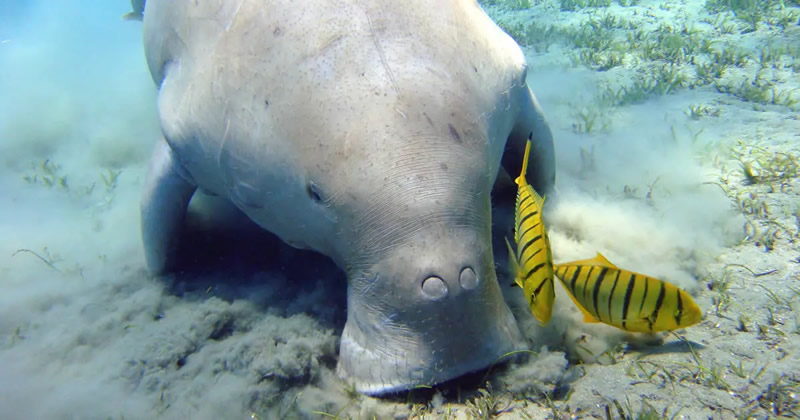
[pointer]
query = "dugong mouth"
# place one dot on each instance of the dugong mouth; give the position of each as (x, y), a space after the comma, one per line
(405, 331)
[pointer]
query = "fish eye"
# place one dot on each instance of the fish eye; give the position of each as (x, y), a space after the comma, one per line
(314, 192)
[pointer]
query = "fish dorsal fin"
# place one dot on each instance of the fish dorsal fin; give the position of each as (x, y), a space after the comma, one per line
(513, 263)
(536, 197)
(603, 261)
(521, 178)
(598, 261)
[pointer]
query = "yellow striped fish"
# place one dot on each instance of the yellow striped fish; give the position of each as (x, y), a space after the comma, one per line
(624, 299)
(532, 263)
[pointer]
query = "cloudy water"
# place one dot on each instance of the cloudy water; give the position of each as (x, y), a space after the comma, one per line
(677, 155)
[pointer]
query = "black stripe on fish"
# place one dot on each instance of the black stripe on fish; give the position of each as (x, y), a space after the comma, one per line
(597, 286)
(527, 244)
(521, 208)
(611, 296)
(586, 284)
(521, 199)
(679, 311)
(631, 284)
(533, 270)
(539, 287)
(531, 256)
(644, 295)
(527, 216)
(659, 302)
(529, 229)
(574, 279)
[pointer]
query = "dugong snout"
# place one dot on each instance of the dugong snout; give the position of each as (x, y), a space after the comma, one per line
(430, 311)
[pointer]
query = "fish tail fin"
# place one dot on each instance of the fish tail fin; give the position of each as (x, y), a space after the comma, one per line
(521, 178)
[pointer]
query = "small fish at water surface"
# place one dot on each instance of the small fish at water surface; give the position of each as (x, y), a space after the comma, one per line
(624, 299)
(532, 263)
(138, 10)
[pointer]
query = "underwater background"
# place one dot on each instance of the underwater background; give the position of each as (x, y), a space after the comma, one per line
(677, 137)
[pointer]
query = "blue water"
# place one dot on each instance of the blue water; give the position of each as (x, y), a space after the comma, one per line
(80, 52)
(85, 332)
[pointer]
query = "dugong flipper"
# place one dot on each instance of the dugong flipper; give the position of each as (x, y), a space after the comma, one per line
(168, 189)
(371, 131)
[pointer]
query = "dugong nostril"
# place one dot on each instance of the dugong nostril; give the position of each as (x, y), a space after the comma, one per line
(468, 278)
(434, 287)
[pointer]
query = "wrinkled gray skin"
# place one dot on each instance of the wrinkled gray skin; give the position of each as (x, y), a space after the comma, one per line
(371, 131)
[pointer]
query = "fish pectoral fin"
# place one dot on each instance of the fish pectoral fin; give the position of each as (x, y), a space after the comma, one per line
(587, 317)
(512, 257)
(513, 264)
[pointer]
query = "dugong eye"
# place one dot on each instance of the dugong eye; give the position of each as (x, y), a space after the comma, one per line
(314, 192)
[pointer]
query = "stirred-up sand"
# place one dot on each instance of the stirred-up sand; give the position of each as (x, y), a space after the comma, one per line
(678, 154)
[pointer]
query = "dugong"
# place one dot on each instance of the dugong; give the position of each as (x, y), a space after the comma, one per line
(371, 131)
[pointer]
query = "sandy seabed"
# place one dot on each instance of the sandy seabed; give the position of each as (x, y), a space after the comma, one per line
(678, 152)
